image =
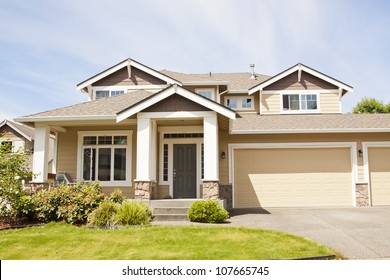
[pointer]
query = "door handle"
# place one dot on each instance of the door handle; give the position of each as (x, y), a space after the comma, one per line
(174, 174)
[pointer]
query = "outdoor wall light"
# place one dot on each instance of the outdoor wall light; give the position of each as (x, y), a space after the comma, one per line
(360, 153)
(223, 154)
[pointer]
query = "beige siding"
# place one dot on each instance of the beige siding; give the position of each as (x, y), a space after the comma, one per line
(292, 177)
(270, 104)
(329, 103)
(379, 169)
(162, 191)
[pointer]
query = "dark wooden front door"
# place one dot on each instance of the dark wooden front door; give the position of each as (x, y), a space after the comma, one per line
(184, 171)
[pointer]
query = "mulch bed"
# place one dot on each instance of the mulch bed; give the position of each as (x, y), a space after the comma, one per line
(18, 224)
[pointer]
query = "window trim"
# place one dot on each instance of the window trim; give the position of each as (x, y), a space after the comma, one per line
(300, 111)
(198, 90)
(129, 152)
(239, 102)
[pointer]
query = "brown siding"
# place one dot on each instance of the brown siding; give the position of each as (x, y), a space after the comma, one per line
(329, 103)
(121, 78)
(308, 81)
(162, 191)
(271, 104)
(175, 103)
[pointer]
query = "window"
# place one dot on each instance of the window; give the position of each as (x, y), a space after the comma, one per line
(165, 163)
(106, 158)
(208, 93)
(108, 93)
(6, 146)
(299, 102)
(240, 103)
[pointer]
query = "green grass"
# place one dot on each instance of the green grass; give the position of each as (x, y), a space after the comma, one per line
(58, 241)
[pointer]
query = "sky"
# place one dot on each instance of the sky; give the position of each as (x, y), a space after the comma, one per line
(47, 47)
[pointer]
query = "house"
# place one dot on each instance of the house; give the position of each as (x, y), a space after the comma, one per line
(19, 136)
(254, 140)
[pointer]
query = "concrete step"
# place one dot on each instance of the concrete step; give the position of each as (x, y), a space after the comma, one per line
(163, 203)
(171, 210)
(170, 217)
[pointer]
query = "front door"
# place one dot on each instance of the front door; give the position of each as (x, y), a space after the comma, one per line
(184, 170)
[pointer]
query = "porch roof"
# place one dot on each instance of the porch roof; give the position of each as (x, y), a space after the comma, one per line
(337, 123)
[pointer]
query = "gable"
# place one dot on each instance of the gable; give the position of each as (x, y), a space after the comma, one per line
(175, 103)
(121, 78)
(307, 82)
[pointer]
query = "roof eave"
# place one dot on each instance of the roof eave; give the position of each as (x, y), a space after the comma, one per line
(301, 131)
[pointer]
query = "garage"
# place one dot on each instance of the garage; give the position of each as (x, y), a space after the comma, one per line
(379, 172)
(292, 177)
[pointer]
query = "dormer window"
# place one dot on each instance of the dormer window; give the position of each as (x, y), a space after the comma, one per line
(300, 102)
(240, 103)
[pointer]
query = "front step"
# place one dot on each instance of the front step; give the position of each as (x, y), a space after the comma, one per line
(171, 209)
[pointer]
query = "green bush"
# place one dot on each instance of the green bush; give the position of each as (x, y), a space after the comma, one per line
(104, 215)
(68, 203)
(116, 196)
(207, 212)
(133, 213)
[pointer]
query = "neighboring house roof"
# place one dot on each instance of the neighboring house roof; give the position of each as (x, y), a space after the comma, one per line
(237, 82)
(273, 124)
(25, 131)
(127, 63)
(299, 68)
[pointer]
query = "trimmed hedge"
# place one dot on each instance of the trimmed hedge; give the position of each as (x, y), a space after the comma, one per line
(207, 212)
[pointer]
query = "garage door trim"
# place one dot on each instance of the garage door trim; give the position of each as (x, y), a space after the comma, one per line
(304, 145)
(365, 146)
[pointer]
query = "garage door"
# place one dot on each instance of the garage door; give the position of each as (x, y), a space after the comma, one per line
(379, 167)
(292, 177)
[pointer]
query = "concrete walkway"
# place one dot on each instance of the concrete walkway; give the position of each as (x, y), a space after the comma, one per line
(357, 233)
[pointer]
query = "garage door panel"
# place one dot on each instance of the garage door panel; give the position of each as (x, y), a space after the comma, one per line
(292, 177)
(379, 168)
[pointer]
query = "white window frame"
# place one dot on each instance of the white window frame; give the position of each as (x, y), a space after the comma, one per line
(300, 111)
(128, 146)
(109, 89)
(239, 103)
(198, 90)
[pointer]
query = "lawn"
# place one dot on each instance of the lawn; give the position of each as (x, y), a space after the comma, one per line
(58, 241)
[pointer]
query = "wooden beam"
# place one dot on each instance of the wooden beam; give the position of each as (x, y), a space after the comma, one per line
(299, 73)
(340, 93)
(129, 68)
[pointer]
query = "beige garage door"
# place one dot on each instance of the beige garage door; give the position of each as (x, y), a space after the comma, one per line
(379, 167)
(292, 177)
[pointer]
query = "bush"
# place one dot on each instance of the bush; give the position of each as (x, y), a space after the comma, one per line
(207, 212)
(68, 203)
(133, 213)
(104, 215)
(116, 196)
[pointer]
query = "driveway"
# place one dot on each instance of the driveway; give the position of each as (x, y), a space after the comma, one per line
(357, 233)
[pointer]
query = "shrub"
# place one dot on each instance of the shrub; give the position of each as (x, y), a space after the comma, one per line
(133, 213)
(104, 215)
(207, 212)
(116, 196)
(71, 204)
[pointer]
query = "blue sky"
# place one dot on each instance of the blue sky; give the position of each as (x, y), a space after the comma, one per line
(47, 47)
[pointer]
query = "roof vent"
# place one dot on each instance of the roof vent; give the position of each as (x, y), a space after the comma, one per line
(253, 74)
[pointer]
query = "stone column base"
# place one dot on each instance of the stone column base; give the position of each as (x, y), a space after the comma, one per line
(145, 190)
(362, 198)
(210, 190)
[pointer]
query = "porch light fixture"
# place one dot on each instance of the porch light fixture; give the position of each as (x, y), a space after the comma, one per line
(223, 154)
(360, 153)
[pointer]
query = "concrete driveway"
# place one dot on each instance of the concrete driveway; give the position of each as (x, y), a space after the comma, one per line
(357, 233)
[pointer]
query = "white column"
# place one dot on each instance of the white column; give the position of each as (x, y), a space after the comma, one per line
(210, 129)
(153, 155)
(144, 139)
(55, 144)
(41, 153)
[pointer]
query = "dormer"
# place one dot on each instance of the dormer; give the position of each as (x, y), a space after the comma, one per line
(300, 90)
(124, 77)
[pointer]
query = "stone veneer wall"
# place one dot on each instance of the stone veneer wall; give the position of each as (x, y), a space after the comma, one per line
(145, 190)
(362, 198)
(226, 192)
(210, 190)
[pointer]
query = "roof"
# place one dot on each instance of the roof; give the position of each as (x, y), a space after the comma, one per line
(240, 81)
(337, 123)
(25, 131)
(298, 68)
(97, 109)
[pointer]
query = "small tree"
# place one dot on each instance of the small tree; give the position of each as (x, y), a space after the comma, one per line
(13, 168)
(370, 106)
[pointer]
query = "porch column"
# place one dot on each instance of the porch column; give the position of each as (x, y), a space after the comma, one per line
(41, 153)
(211, 180)
(145, 185)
